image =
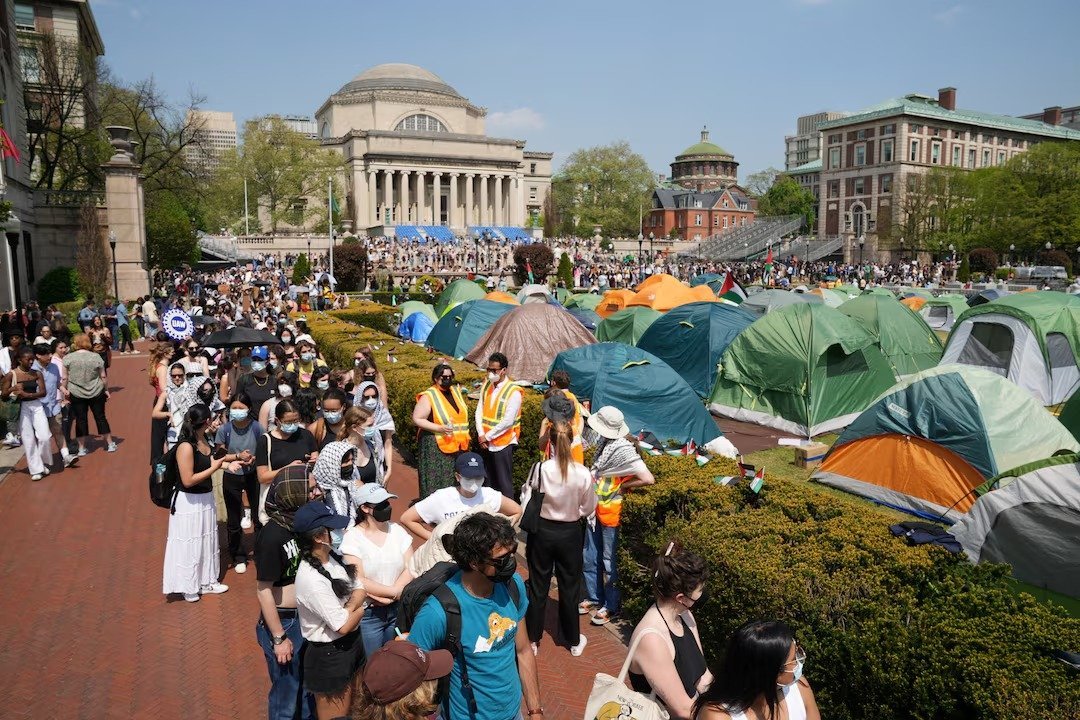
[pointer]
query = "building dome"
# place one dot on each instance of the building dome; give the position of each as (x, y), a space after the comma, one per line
(704, 166)
(399, 76)
(703, 148)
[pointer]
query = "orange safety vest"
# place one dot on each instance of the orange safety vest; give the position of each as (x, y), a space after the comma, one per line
(492, 407)
(609, 495)
(443, 413)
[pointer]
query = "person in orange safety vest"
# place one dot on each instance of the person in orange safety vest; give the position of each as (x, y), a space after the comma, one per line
(441, 416)
(498, 423)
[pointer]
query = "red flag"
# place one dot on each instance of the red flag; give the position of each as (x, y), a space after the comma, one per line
(7, 147)
(768, 258)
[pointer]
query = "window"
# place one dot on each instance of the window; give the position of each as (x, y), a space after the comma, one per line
(889, 129)
(971, 159)
(697, 219)
(31, 65)
(725, 222)
(935, 153)
(24, 17)
(532, 193)
(835, 138)
(956, 155)
(1001, 157)
(716, 220)
(421, 123)
(834, 158)
(913, 128)
(834, 188)
(936, 132)
(743, 223)
(885, 184)
(532, 168)
(913, 156)
(860, 154)
(860, 135)
(988, 346)
(886, 151)
(986, 158)
(858, 186)
(726, 204)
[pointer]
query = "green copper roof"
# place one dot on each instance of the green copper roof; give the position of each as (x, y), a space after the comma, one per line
(704, 148)
(926, 107)
(810, 167)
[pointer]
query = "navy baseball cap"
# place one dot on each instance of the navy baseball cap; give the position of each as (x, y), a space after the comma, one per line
(470, 465)
(316, 514)
(259, 352)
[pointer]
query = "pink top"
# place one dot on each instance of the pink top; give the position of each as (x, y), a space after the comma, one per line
(565, 500)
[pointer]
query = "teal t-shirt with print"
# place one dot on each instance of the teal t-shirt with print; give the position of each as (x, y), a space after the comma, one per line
(489, 627)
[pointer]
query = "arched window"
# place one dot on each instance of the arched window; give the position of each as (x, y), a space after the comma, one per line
(421, 123)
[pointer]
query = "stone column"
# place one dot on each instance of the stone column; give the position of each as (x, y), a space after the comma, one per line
(388, 196)
(373, 203)
(436, 198)
(403, 199)
(470, 217)
(124, 211)
(485, 211)
(421, 214)
(500, 204)
(360, 195)
(453, 219)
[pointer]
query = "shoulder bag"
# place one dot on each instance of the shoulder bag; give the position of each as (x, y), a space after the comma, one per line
(10, 409)
(611, 698)
(530, 516)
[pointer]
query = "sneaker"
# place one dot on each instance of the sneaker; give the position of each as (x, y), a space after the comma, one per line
(12, 441)
(111, 447)
(214, 588)
(585, 607)
(69, 459)
(580, 647)
(191, 597)
(46, 472)
(245, 522)
(83, 452)
(601, 617)
(36, 477)
(240, 568)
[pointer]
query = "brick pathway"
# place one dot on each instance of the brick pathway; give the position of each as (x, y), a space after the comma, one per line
(86, 631)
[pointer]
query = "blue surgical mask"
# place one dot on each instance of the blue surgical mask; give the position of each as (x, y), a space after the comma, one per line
(332, 417)
(245, 362)
(307, 357)
(238, 415)
(323, 384)
(289, 428)
(257, 366)
(371, 433)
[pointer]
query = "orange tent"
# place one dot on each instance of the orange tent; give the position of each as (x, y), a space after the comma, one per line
(653, 279)
(613, 301)
(914, 302)
(663, 292)
(501, 297)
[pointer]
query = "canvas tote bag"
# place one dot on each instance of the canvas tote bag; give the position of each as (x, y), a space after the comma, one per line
(611, 699)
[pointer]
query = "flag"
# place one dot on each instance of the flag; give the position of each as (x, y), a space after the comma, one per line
(768, 261)
(731, 290)
(758, 481)
(528, 269)
(746, 469)
(7, 147)
(702, 459)
(690, 448)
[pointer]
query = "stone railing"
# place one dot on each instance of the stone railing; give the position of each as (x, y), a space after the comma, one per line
(68, 198)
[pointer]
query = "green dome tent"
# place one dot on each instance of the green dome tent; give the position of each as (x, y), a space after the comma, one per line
(940, 312)
(804, 369)
(585, 301)
(905, 340)
(456, 293)
(458, 330)
(650, 394)
(627, 325)
(1070, 415)
(706, 279)
(691, 339)
(766, 301)
(409, 307)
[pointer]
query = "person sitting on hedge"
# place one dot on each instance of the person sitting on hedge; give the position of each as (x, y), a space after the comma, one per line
(760, 676)
(441, 416)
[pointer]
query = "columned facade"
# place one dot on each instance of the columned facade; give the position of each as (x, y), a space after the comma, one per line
(455, 199)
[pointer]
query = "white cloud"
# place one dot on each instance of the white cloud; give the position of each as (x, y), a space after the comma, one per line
(946, 16)
(515, 120)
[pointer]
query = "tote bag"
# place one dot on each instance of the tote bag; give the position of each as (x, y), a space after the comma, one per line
(611, 699)
(530, 516)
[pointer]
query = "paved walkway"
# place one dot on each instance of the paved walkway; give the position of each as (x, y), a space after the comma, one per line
(87, 632)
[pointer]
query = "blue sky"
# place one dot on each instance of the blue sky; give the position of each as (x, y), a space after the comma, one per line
(565, 75)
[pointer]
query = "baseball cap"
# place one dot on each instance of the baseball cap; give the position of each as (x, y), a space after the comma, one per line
(397, 668)
(316, 514)
(371, 494)
(470, 465)
(259, 352)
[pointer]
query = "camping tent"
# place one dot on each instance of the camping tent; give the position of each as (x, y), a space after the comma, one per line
(905, 340)
(1031, 338)
(764, 302)
(663, 292)
(933, 438)
(458, 330)
(706, 279)
(409, 307)
(613, 301)
(587, 318)
(650, 394)
(501, 297)
(913, 302)
(534, 294)
(804, 369)
(692, 338)
(1070, 415)
(1029, 518)
(986, 296)
(832, 298)
(530, 336)
(916, 292)
(940, 313)
(416, 327)
(585, 301)
(456, 293)
(626, 326)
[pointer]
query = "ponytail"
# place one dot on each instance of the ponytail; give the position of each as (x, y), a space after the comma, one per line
(306, 542)
(561, 438)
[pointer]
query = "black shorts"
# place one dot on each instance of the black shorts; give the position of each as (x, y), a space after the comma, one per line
(329, 668)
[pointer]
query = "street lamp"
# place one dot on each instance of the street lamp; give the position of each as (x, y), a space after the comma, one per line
(1012, 253)
(862, 244)
(487, 255)
(652, 254)
(12, 232)
(952, 252)
(476, 242)
(901, 249)
(746, 252)
(115, 282)
(640, 261)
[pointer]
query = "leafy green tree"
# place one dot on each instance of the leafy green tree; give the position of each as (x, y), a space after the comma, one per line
(301, 270)
(170, 234)
(606, 185)
(349, 262)
(566, 271)
(757, 184)
(787, 197)
(964, 273)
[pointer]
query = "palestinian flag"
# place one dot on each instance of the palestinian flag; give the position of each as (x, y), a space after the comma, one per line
(702, 459)
(768, 261)
(690, 448)
(528, 269)
(746, 469)
(758, 481)
(731, 290)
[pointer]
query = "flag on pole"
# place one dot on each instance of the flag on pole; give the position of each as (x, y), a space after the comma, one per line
(702, 459)
(528, 270)
(768, 261)
(690, 448)
(758, 481)
(746, 469)
(731, 290)
(7, 147)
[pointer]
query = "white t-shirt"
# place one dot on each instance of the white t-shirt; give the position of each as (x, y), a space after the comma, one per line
(382, 563)
(448, 502)
(321, 611)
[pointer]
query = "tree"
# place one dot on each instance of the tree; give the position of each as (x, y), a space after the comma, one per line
(91, 262)
(350, 260)
(607, 186)
(301, 270)
(757, 184)
(566, 271)
(983, 260)
(787, 197)
(170, 234)
(964, 273)
(538, 258)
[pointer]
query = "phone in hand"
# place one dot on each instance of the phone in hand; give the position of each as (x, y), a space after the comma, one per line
(220, 451)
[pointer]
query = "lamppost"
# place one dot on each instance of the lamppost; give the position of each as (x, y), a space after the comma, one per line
(310, 264)
(746, 252)
(862, 244)
(12, 231)
(652, 254)
(476, 242)
(901, 249)
(952, 253)
(115, 282)
(1012, 253)
(640, 260)
(487, 254)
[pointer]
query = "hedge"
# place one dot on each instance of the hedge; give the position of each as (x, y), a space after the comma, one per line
(891, 631)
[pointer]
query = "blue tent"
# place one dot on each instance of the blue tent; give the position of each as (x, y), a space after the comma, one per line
(691, 339)
(586, 317)
(458, 330)
(650, 394)
(416, 327)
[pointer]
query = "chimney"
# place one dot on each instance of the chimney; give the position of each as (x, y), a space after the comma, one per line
(946, 98)
(1052, 115)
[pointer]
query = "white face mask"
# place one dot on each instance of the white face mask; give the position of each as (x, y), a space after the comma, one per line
(493, 377)
(471, 485)
(371, 403)
(284, 390)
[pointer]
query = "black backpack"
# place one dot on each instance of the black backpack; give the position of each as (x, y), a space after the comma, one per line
(165, 481)
(433, 583)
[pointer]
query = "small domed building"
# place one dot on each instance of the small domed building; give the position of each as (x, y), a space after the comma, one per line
(704, 166)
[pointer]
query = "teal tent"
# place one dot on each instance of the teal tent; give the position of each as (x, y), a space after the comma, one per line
(626, 325)
(706, 279)
(458, 330)
(691, 339)
(456, 293)
(650, 394)
(409, 307)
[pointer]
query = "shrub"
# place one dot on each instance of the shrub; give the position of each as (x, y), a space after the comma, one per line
(964, 273)
(538, 256)
(61, 284)
(1053, 256)
(566, 271)
(983, 260)
(1002, 273)
(301, 270)
(383, 298)
(350, 262)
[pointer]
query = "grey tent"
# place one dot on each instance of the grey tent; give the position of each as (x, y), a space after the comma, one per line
(531, 336)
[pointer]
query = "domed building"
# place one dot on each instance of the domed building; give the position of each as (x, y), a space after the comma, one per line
(418, 159)
(704, 166)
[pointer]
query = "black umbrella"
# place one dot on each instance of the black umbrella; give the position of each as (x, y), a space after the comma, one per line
(261, 283)
(201, 320)
(239, 337)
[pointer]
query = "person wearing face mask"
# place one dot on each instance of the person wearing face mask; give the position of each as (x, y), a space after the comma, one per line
(357, 430)
(380, 550)
(207, 393)
(669, 659)
(287, 444)
(320, 380)
(760, 676)
(285, 383)
(442, 418)
(494, 647)
(306, 362)
(239, 437)
(367, 397)
(498, 422)
(366, 369)
(333, 472)
(258, 385)
(194, 361)
(191, 553)
(467, 494)
(327, 428)
(331, 603)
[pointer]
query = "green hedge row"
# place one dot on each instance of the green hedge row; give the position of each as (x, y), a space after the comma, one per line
(891, 631)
